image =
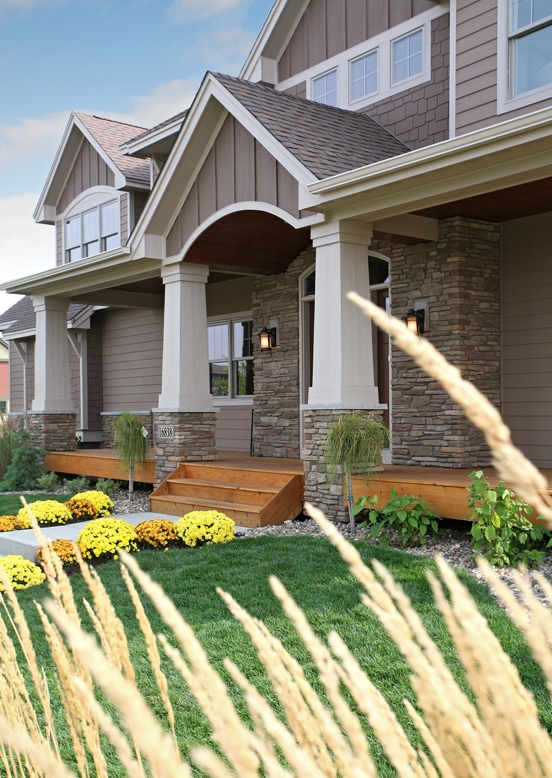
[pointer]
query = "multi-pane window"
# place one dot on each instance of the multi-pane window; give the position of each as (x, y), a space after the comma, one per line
(408, 60)
(324, 88)
(364, 76)
(92, 232)
(231, 358)
(530, 45)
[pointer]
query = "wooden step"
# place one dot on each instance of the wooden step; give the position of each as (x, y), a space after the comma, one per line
(210, 471)
(219, 490)
(243, 515)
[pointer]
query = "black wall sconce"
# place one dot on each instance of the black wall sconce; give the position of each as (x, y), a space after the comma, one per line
(415, 320)
(267, 338)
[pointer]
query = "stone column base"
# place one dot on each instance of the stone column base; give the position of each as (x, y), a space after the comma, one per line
(108, 433)
(329, 497)
(53, 431)
(182, 437)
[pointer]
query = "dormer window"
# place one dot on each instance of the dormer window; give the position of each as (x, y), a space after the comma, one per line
(92, 232)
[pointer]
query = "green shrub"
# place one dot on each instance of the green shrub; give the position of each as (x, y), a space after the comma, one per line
(75, 485)
(8, 443)
(25, 468)
(501, 529)
(408, 514)
(48, 482)
(108, 486)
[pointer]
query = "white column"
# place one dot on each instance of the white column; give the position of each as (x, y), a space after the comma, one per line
(52, 377)
(185, 381)
(343, 369)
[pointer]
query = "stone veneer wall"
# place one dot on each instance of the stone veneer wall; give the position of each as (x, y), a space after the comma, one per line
(329, 497)
(54, 431)
(277, 387)
(193, 441)
(108, 433)
(460, 277)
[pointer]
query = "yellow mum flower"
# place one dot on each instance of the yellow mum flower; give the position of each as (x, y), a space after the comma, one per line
(199, 527)
(21, 572)
(106, 537)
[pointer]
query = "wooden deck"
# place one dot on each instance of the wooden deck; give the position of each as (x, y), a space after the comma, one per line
(445, 487)
(99, 463)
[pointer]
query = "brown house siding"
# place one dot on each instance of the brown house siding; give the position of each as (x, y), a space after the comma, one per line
(16, 377)
(59, 242)
(132, 351)
(298, 90)
(124, 218)
(89, 170)
(237, 169)
(419, 116)
(140, 200)
(95, 394)
(234, 428)
(329, 27)
(527, 334)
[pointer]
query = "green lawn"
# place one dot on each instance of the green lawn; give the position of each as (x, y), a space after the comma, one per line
(318, 579)
(11, 503)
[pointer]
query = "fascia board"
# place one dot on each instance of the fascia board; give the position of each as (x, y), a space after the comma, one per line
(20, 335)
(120, 178)
(503, 140)
(56, 164)
(131, 147)
(209, 89)
(284, 15)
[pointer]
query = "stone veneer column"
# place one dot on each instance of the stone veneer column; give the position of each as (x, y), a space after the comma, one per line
(52, 418)
(108, 433)
(185, 402)
(343, 370)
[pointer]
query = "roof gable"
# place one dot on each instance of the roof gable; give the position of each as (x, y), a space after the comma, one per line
(104, 136)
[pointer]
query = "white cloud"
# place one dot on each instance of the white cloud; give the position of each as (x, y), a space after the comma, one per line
(32, 136)
(227, 48)
(25, 247)
(187, 10)
(165, 101)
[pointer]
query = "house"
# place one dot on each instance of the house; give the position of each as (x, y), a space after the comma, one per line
(401, 148)
(4, 378)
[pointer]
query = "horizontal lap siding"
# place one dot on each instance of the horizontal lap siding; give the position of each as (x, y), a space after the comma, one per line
(132, 351)
(16, 380)
(527, 334)
(234, 428)
(329, 27)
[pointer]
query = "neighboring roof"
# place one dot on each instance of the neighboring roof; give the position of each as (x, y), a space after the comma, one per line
(326, 140)
(111, 135)
(22, 316)
(177, 118)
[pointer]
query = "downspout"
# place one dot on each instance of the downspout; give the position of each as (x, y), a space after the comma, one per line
(452, 68)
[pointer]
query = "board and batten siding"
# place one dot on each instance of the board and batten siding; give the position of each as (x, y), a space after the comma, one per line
(123, 210)
(527, 334)
(476, 67)
(88, 170)
(132, 353)
(329, 27)
(237, 169)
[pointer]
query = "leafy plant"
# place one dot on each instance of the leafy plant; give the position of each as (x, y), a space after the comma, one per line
(131, 442)
(354, 445)
(8, 443)
(501, 529)
(108, 486)
(75, 485)
(408, 514)
(49, 482)
(25, 467)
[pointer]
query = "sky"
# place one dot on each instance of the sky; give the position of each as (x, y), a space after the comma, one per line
(139, 61)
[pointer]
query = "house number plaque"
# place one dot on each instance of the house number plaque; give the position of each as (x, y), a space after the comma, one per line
(165, 431)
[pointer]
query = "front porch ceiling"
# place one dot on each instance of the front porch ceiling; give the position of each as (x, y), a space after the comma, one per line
(249, 241)
(515, 202)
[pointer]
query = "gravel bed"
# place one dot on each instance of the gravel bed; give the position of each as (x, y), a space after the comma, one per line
(137, 502)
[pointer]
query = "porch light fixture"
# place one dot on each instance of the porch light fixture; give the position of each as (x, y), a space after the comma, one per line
(267, 338)
(414, 320)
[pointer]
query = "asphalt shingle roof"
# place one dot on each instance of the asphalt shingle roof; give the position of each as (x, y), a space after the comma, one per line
(326, 140)
(182, 115)
(24, 317)
(110, 135)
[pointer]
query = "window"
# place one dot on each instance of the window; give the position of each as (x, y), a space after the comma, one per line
(324, 89)
(3, 406)
(364, 76)
(92, 232)
(231, 358)
(407, 56)
(530, 45)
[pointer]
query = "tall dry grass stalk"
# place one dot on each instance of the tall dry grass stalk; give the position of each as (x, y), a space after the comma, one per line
(494, 733)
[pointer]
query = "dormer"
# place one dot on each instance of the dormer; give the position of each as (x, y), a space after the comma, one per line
(94, 194)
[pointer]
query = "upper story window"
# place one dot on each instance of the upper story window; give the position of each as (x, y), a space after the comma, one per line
(91, 232)
(324, 88)
(364, 76)
(231, 358)
(530, 45)
(407, 56)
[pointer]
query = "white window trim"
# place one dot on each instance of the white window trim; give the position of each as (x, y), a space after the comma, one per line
(323, 75)
(424, 47)
(505, 103)
(353, 101)
(381, 42)
(88, 201)
(246, 399)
